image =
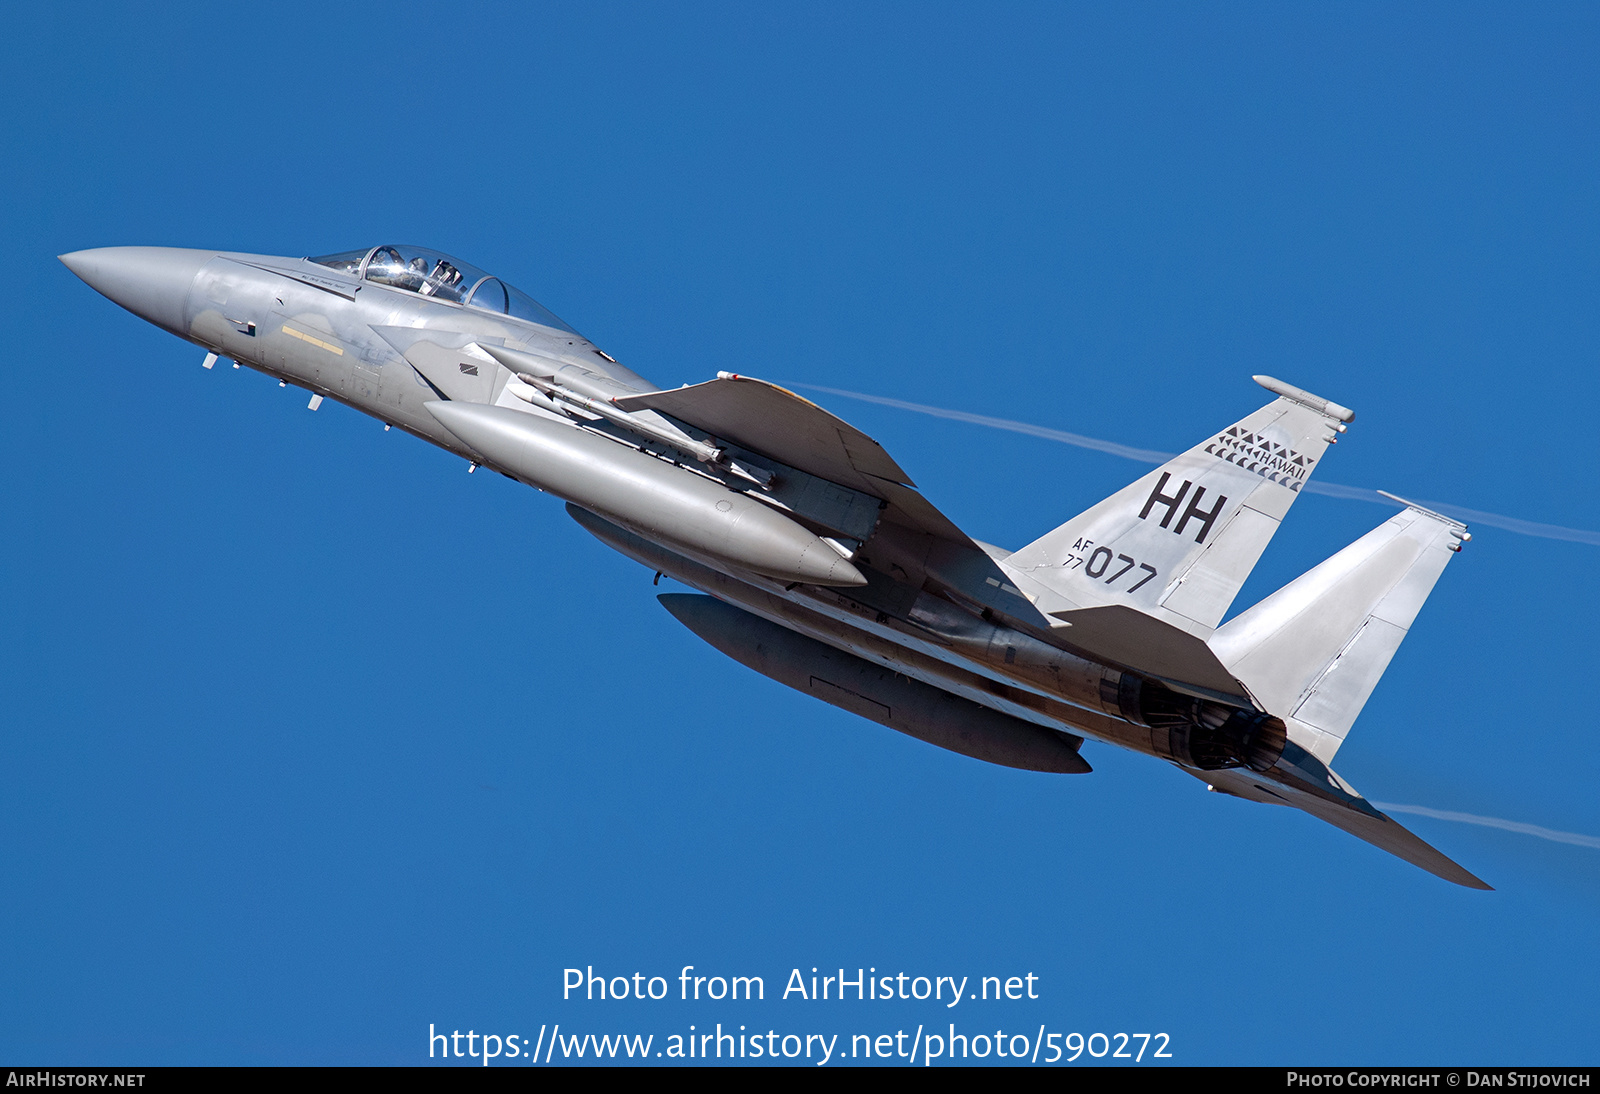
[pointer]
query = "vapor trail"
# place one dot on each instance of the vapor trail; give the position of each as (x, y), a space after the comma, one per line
(1575, 838)
(1329, 489)
(1147, 455)
(1142, 455)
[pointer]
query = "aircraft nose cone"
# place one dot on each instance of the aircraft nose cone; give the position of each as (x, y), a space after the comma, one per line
(151, 282)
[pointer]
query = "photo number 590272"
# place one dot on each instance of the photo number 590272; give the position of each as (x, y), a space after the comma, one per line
(1119, 1046)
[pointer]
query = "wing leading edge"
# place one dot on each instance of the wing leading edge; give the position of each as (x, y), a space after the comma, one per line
(791, 429)
(1256, 468)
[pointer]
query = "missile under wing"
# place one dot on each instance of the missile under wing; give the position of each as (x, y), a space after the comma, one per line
(1135, 587)
(816, 560)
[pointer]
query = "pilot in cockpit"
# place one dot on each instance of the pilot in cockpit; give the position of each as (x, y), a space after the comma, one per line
(442, 281)
(388, 266)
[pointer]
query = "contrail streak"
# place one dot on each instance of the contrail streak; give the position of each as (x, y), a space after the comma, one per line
(1328, 489)
(1151, 456)
(1575, 838)
(1142, 455)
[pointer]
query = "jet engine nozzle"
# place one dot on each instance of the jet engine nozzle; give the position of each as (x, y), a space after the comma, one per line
(1200, 733)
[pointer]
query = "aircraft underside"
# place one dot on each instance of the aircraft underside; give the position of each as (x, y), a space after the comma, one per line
(1060, 726)
(823, 567)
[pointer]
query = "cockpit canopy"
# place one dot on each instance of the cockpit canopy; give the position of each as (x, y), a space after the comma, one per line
(433, 273)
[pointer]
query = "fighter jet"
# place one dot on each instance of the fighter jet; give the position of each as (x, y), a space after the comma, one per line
(819, 564)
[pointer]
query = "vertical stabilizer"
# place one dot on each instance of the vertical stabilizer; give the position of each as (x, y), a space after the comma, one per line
(1312, 652)
(1179, 543)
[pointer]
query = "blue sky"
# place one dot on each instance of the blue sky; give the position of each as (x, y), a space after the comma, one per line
(311, 740)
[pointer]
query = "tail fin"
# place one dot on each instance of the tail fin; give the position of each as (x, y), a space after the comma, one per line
(1179, 543)
(1312, 652)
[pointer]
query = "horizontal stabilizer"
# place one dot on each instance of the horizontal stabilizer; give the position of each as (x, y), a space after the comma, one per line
(1119, 635)
(1368, 823)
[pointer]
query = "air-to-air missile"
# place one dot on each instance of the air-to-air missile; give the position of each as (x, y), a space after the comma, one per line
(817, 562)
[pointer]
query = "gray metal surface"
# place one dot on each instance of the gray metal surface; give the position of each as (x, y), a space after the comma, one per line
(833, 574)
(1314, 650)
(791, 427)
(879, 694)
(663, 502)
(151, 282)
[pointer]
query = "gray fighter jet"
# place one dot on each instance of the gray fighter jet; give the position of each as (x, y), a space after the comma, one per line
(820, 565)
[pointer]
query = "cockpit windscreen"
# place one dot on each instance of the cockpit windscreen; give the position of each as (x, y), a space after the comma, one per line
(437, 275)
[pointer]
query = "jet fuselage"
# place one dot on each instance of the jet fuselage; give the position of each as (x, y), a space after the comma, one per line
(844, 582)
(344, 338)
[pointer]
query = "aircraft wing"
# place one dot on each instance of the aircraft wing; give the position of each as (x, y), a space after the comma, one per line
(775, 422)
(1145, 637)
